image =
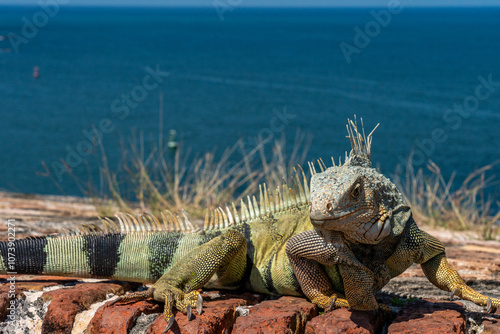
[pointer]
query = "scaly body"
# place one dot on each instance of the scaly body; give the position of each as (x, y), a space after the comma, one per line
(128, 253)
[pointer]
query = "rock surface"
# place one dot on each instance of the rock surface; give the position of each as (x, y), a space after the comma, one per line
(120, 318)
(491, 326)
(217, 316)
(429, 316)
(285, 315)
(66, 303)
(346, 321)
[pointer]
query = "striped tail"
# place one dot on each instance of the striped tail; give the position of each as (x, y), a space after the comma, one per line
(133, 256)
(76, 256)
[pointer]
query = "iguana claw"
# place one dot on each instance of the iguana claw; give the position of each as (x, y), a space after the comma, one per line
(199, 304)
(113, 302)
(330, 308)
(453, 293)
(488, 304)
(170, 323)
(189, 311)
(133, 297)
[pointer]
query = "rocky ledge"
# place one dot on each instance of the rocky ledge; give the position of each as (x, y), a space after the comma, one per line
(51, 304)
(59, 305)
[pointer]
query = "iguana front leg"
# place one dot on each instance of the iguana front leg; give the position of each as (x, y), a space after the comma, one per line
(308, 250)
(224, 256)
(420, 247)
(441, 274)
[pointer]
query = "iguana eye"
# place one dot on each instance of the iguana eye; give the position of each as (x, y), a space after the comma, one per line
(356, 191)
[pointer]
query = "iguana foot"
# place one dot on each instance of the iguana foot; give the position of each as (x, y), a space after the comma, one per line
(467, 293)
(330, 303)
(182, 302)
(172, 297)
(175, 298)
(336, 302)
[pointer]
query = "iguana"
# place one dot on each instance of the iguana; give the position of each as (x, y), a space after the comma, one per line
(338, 244)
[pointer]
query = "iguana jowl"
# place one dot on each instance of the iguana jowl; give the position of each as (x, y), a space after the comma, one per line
(362, 234)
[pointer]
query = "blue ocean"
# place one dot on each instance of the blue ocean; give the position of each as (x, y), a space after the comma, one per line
(430, 77)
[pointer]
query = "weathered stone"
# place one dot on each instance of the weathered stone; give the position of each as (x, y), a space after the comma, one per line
(285, 315)
(120, 318)
(66, 303)
(429, 316)
(491, 326)
(20, 287)
(346, 321)
(35, 278)
(4, 304)
(18, 290)
(217, 316)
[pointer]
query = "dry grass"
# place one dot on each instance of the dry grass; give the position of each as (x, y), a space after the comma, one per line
(434, 201)
(157, 178)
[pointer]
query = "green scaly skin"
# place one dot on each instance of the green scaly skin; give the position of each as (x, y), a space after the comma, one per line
(249, 254)
(362, 234)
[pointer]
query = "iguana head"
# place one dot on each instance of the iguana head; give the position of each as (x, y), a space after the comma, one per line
(356, 199)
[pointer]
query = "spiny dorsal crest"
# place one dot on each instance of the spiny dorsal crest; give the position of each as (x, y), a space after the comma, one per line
(137, 222)
(360, 145)
(360, 154)
(285, 198)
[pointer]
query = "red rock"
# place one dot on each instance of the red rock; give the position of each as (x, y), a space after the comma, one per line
(285, 315)
(491, 326)
(217, 316)
(250, 297)
(346, 321)
(32, 278)
(119, 318)
(39, 286)
(429, 316)
(4, 304)
(66, 303)
(19, 288)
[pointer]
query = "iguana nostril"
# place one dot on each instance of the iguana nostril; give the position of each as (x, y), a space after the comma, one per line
(329, 207)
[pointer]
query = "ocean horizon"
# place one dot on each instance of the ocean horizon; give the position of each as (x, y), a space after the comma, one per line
(429, 76)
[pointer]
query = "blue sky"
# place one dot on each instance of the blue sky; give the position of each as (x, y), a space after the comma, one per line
(265, 3)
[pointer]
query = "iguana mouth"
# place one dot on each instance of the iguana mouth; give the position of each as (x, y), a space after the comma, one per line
(333, 218)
